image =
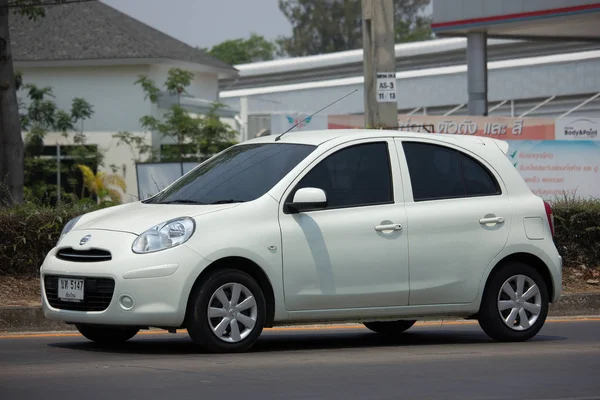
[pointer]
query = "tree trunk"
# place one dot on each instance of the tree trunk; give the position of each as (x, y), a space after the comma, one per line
(11, 142)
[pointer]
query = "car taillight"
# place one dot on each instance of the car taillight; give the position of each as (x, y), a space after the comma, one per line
(550, 216)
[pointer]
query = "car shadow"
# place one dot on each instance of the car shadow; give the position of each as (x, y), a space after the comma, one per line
(366, 339)
(279, 341)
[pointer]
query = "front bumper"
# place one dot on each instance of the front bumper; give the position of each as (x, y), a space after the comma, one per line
(158, 283)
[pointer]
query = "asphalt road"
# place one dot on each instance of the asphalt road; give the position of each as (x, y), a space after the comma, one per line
(432, 361)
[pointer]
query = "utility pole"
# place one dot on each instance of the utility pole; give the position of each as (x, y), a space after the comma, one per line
(58, 184)
(381, 107)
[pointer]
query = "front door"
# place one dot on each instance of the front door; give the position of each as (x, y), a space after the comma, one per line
(346, 255)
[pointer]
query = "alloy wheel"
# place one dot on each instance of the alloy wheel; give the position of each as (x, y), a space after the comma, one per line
(232, 312)
(519, 302)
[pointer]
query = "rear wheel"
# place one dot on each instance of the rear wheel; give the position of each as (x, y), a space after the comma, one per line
(227, 312)
(390, 327)
(515, 303)
(106, 334)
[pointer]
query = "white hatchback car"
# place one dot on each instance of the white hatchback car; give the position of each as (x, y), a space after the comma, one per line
(372, 226)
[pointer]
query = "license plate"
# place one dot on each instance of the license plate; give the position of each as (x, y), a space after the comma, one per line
(70, 289)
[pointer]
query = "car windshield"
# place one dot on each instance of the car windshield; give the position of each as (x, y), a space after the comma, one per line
(241, 173)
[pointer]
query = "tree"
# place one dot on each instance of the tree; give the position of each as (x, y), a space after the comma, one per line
(140, 150)
(409, 25)
(102, 185)
(195, 138)
(242, 51)
(39, 115)
(320, 26)
(215, 135)
(11, 142)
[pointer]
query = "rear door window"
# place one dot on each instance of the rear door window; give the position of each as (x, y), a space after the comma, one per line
(439, 172)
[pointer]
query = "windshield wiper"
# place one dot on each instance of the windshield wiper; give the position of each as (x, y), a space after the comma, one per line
(228, 201)
(181, 201)
(186, 201)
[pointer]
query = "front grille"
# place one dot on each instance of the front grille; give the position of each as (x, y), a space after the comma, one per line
(91, 255)
(97, 294)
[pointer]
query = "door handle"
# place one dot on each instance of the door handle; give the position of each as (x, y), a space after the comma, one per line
(491, 220)
(389, 227)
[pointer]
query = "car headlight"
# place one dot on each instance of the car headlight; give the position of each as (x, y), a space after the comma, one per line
(68, 226)
(164, 236)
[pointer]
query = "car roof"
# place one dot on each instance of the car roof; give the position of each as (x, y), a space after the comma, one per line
(319, 137)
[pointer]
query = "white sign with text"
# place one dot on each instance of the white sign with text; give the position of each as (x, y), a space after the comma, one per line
(577, 128)
(386, 87)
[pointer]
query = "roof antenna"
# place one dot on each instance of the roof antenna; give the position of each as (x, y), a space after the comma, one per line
(329, 105)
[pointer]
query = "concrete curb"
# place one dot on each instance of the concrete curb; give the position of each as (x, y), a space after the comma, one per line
(576, 304)
(32, 319)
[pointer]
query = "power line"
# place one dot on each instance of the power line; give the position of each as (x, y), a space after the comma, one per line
(44, 4)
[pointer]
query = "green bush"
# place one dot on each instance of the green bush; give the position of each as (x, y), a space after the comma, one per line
(577, 224)
(28, 232)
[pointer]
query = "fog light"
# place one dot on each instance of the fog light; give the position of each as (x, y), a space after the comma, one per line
(126, 302)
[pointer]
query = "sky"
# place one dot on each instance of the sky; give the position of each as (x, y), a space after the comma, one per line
(205, 23)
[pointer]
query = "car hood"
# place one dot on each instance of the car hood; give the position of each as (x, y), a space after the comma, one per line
(138, 217)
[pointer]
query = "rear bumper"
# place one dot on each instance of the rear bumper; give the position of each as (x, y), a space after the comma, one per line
(558, 281)
(554, 262)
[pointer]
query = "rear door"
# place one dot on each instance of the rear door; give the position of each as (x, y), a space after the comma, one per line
(458, 215)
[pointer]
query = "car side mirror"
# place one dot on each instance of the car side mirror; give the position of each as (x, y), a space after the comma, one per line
(307, 199)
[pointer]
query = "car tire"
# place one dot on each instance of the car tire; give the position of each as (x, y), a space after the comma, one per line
(390, 327)
(106, 334)
(232, 327)
(514, 304)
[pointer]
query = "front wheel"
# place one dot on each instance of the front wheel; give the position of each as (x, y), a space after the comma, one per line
(515, 304)
(390, 327)
(227, 312)
(106, 334)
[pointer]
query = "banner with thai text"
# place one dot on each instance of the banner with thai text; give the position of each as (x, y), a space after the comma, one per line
(558, 168)
(504, 128)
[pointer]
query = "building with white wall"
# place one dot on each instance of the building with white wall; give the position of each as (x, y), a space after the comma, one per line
(529, 78)
(92, 51)
(537, 20)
